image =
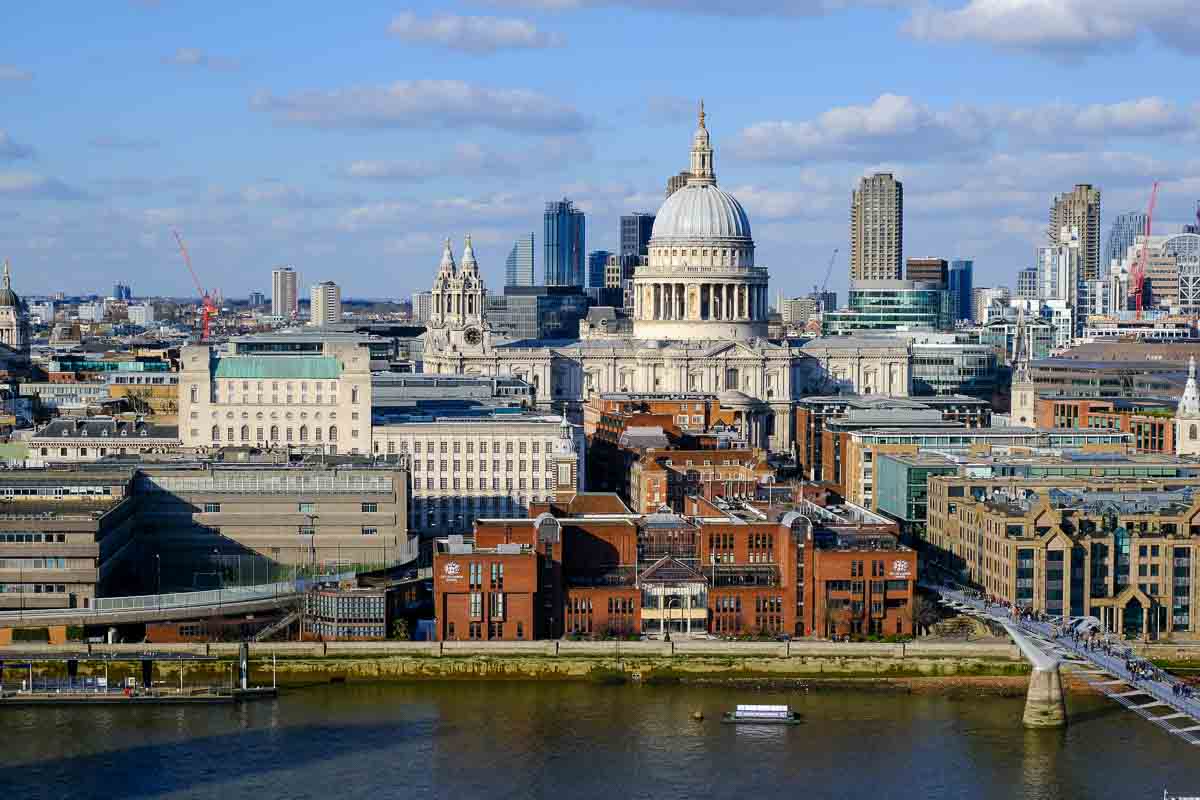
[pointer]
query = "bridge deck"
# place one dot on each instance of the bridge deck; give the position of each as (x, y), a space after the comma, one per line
(1156, 693)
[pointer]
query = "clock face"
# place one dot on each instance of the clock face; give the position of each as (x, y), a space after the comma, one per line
(472, 336)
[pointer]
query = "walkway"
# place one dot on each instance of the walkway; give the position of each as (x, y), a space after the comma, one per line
(1108, 670)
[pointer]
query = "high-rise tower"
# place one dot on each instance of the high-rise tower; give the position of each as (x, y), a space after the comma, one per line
(1079, 209)
(564, 243)
(877, 229)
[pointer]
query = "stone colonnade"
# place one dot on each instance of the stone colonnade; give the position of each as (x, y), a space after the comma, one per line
(674, 300)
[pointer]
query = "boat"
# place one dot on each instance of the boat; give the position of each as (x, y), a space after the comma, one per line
(761, 715)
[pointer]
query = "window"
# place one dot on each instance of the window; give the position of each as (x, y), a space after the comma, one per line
(216, 434)
(333, 433)
(370, 531)
(274, 433)
(306, 530)
(370, 508)
(245, 433)
(307, 508)
(212, 508)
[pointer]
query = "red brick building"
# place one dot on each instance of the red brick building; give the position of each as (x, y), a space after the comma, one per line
(857, 583)
(1151, 420)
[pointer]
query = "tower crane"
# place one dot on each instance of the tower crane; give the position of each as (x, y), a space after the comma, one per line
(1137, 274)
(825, 283)
(208, 308)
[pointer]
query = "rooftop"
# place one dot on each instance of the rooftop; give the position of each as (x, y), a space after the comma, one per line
(283, 367)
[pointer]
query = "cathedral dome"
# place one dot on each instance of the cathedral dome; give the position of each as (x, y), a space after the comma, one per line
(700, 211)
(9, 298)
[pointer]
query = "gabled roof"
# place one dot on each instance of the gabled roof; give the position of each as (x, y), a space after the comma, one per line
(671, 570)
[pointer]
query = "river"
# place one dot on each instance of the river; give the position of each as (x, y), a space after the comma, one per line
(567, 741)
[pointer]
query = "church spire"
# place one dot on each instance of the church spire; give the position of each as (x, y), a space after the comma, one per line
(702, 154)
(7, 276)
(447, 265)
(468, 257)
(1189, 403)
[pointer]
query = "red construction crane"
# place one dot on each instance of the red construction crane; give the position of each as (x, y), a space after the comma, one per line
(208, 307)
(1137, 274)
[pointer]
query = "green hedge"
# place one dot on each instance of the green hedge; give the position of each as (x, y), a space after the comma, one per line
(31, 634)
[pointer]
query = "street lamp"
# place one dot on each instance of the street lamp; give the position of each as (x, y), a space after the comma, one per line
(667, 609)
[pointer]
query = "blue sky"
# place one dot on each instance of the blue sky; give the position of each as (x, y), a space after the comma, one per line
(350, 141)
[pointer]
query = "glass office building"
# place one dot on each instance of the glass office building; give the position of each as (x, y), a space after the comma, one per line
(518, 269)
(597, 261)
(564, 243)
(537, 312)
(891, 305)
(960, 279)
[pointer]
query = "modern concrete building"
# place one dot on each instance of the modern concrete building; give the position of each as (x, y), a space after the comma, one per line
(325, 304)
(1079, 211)
(928, 270)
(518, 268)
(877, 229)
(1027, 284)
(422, 303)
(285, 298)
(1121, 236)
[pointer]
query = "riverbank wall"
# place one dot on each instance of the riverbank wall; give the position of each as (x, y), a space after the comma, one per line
(305, 663)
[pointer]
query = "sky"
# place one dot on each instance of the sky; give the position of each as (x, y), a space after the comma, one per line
(350, 141)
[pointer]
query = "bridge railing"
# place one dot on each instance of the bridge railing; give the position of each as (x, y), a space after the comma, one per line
(208, 597)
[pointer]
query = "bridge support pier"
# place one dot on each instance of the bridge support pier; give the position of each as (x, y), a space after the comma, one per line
(1044, 705)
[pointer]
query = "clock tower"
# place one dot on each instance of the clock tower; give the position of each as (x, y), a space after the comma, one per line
(456, 316)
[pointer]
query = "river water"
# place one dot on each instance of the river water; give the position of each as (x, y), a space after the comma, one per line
(567, 741)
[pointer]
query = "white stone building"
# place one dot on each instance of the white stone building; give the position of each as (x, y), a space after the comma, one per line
(699, 325)
(318, 402)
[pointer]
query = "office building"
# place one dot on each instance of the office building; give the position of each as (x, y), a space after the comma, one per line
(1120, 549)
(1076, 215)
(889, 305)
(537, 312)
(142, 315)
(1027, 284)
(319, 401)
(877, 229)
(677, 182)
(1121, 236)
(257, 300)
(635, 234)
(518, 268)
(960, 281)
(122, 292)
(798, 310)
(564, 244)
(285, 299)
(422, 302)
(325, 304)
(928, 270)
(597, 263)
(988, 301)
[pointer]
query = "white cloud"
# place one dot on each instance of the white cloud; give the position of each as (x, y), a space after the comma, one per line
(31, 184)
(423, 104)
(11, 149)
(194, 57)
(724, 8)
(891, 126)
(1059, 28)
(8, 72)
(899, 127)
(480, 35)
(472, 159)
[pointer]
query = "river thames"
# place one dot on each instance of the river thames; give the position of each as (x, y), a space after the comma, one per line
(511, 740)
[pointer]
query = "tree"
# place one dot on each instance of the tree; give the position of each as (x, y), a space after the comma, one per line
(926, 614)
(400, 629)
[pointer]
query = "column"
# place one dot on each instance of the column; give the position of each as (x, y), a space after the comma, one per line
(657, 301)
(682, 301)
(666, 301)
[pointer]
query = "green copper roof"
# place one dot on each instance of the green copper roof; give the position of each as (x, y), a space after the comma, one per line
(287, 367)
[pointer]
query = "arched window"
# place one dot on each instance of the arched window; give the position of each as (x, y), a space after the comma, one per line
(354, 394)
(245, 433)
(1192, 433)
(274, 433)
(216, 433)
(304, 433)
(333, 433)
(195, 393)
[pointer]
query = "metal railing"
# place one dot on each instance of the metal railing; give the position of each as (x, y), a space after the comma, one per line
(208, 597)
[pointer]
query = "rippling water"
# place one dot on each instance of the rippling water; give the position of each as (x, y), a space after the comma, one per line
(501, 740)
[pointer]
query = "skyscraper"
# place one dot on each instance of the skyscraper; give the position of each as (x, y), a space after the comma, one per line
(635, 234)
(877, 229)
(596, 262)
(325, 300)
(285, 301)
(1125, 228)
(564, 243)
(1079, 209)
(518, 269)
(961, 279)
(121, 291)
(422, 303)
(677, 182)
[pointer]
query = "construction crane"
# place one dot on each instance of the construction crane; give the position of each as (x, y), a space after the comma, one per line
(1137, 274)
(828, 271)
(208, 308)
